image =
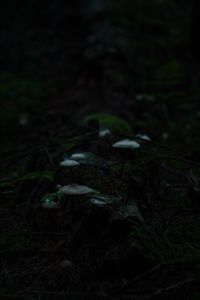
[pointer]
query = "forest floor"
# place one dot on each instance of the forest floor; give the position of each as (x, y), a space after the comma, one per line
(136, 236)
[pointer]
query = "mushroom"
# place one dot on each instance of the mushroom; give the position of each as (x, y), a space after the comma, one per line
(102, 201)
(74, 193)
(88, 158)
(49, 203)
(66, 263)
(69, 163)
(126, 144)
(76, 189)
(104, 133)
(78, 156)
(143, 137)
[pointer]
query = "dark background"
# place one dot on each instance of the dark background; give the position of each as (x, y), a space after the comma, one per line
(46, 47)
(60, 62)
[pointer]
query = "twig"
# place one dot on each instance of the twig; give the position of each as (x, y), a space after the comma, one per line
(187, 161)
(149, 272)
(47, 292)
(50, 158)
(169, 288)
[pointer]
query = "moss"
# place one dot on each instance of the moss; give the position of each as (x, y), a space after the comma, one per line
(114, 123)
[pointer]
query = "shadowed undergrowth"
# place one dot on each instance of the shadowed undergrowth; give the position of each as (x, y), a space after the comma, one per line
(136, 236)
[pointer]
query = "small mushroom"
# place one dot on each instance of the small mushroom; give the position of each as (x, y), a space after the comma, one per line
(126, 144)
(66, 263)
(98, 201)
(89, 158)
(49, 203)
(102, 201)
(104, 133)
(58, 186)
(78, 156)
(143, 137)
(69, 163)
(76, 189)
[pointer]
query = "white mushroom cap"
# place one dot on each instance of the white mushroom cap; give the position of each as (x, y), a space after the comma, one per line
(49, 204)
(143, 137)
(98, 202)
(126, 144)
(104, 132)
(66, 263)
(77, 156)
(58, 186)
(69, 163)
(76, 189)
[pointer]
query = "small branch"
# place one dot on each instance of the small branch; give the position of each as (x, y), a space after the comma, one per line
(169, 288)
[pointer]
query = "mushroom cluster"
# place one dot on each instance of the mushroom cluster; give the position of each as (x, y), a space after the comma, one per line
(73, 191)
